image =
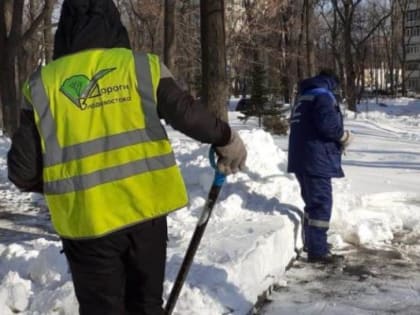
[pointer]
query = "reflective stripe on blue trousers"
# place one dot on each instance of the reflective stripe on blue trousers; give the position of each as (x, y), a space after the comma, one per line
(317, 195)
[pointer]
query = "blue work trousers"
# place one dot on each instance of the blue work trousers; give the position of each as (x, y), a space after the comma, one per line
(317, 195)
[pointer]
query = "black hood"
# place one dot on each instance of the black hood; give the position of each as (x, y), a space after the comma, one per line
(87, 24)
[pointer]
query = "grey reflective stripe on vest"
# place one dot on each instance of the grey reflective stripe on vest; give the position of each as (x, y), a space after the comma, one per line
(145, 86)
(56, 155)
(108, 175)
(316, 223)
(47, 123)
(306, 98)
(107, 144)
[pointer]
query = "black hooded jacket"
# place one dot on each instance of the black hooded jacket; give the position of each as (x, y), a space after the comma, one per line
(88, 24)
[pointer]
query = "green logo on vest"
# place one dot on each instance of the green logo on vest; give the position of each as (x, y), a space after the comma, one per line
(79, 88)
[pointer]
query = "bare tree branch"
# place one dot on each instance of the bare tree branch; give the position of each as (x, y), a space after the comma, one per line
(38, 20)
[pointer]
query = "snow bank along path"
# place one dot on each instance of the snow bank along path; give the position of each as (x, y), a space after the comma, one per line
(248, 242)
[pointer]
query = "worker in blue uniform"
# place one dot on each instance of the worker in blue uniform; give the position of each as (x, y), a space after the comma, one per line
(317, 140)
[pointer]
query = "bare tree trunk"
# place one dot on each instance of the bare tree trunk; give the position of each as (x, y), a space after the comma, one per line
(169, 48)
(309, 44)
(287, 86)
(214, 82)
(11, 40)
(145, 23)
(346, 16)
(334, 26)
(299, 68)
(48, 36)
(8, 45)
(349, 63)
(403, 6)
(390, 51)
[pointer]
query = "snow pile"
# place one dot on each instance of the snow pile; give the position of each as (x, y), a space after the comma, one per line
(249, 222)
(35, 279)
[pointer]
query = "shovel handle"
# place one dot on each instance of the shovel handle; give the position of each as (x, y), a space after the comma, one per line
(219, 177)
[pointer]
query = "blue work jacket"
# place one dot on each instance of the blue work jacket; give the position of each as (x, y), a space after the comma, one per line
(316, 126)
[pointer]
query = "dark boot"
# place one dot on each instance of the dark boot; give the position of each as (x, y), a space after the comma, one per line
(329, 258)
(305, 247)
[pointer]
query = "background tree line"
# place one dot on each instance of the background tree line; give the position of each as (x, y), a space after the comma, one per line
(263, 50)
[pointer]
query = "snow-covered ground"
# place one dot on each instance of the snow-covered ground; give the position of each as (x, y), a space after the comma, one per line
(255, 229)
(377, 210)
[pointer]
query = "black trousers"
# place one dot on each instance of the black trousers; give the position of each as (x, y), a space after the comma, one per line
(121, 273)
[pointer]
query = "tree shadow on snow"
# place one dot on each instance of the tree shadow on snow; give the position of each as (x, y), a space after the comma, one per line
(384, 152)
(8, 236)
(383, 164)
(261, 203)
(212, 282)
(254, 201)
(18, 227)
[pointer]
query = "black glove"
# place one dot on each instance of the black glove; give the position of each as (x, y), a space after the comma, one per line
(232, 156)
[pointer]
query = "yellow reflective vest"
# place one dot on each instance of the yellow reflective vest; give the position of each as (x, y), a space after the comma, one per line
(107, 160)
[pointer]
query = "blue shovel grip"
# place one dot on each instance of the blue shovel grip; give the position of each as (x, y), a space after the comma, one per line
(219, 178)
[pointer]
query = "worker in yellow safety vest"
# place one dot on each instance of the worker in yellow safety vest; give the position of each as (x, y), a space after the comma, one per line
(92, 142)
